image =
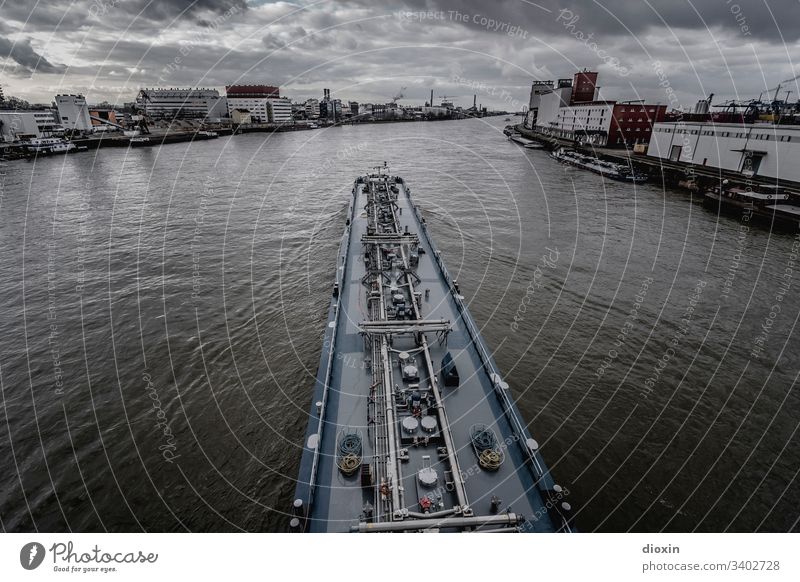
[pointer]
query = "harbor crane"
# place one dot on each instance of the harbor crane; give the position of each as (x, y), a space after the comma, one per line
(781, 84)
(139, 118)
(775, 104)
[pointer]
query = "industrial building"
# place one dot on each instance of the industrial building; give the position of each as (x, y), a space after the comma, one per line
(279, 110)
(73, 113)
(312, 108)
(241, 117)
(263, 102)
(18, 125)
(188, 103)
(762, 149)
(632, 123)
(104, 118)
(570, 109)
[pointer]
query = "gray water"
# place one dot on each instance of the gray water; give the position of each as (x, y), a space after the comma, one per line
(161, 315)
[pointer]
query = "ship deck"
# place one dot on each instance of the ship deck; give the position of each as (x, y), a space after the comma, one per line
(519, 496)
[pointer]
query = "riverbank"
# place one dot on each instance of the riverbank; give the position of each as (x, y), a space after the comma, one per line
(667, 172)
(157, 137)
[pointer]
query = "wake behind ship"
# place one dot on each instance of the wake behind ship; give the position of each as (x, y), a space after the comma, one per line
(412, 427)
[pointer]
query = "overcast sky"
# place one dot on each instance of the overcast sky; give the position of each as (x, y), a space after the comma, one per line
(668, 51)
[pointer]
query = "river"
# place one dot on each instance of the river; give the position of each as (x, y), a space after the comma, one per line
(162, 309)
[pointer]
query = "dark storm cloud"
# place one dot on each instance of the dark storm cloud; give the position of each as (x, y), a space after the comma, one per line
(367, 49)
(81, 14)
(41, 16)
(758, 19)
(198, 10)
(22, 53)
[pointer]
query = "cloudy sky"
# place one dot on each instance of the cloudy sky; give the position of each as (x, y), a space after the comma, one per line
(668, 51)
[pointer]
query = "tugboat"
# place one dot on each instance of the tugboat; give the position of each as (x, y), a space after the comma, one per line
(49, 145)
(412, 427)
(619, 172)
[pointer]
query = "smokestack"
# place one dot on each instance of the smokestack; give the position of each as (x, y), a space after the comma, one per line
(431, 97)
(474, 100)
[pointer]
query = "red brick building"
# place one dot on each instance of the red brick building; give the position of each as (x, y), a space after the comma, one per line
(632, 123)
(584, 87)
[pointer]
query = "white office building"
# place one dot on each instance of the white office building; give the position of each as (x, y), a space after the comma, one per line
(588, 122)
(73, 112)
(17, 125)
(255, 106)
(189, 103)
(279, 110)
(263, 109)
(759, 149)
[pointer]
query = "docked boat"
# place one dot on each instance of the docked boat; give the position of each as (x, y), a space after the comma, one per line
(49, 145)
(525, 142)
(411, 426)
(768, 201)
(610, 170)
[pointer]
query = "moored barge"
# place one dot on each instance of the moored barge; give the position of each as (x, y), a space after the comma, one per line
(614, 171)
